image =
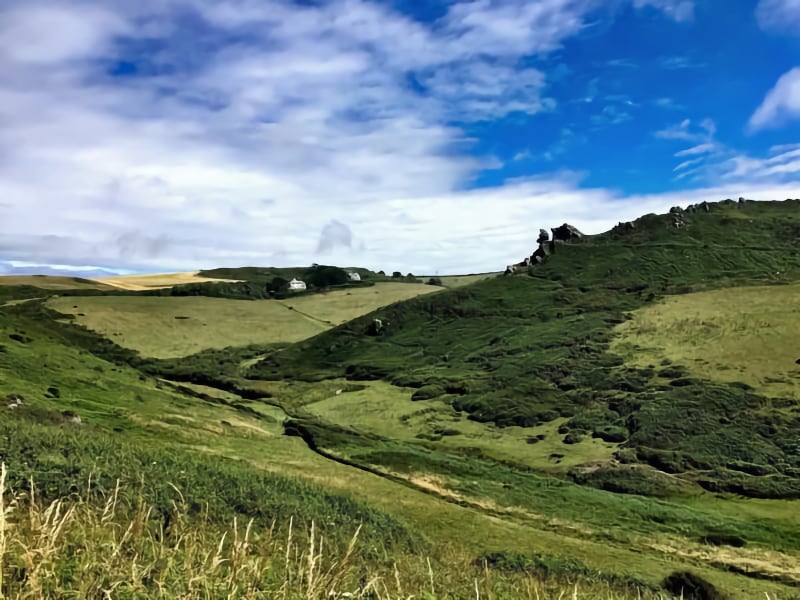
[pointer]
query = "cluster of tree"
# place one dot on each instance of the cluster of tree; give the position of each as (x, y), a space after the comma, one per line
(409, 278)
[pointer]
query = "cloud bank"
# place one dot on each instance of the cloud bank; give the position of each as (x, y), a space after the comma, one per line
(183, 134)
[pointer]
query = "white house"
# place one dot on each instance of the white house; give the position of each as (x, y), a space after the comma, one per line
(296, 285)
(354, 276)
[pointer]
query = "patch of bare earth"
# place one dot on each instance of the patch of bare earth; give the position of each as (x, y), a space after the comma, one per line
(766, 564)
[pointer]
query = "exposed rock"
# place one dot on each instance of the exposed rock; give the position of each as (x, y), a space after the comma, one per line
(543, 236)
(376, 327)
(565, 233)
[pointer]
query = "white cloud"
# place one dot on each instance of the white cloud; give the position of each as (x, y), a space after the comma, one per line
(689, 163)
(783, 165)
(781, 103)
(779, 15)
(676, 63)
(703, 132)
(678, 10)
(699, 149)
(45, 33)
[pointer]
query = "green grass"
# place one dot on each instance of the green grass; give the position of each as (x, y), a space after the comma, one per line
(456, 281)
(337, 307)
(388, 411)
(746, 334)
(177, 326)
(167, 327)
(130, 420)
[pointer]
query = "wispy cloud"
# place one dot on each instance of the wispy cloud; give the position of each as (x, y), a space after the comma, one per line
(667, 103)
(624, 63)
(699, 149)
(675, 63)
(779, 15)
(679, 10)
(703, 132)
(781, 103)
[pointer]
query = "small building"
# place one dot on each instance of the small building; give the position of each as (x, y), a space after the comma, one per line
(296, 285)
(354, 276)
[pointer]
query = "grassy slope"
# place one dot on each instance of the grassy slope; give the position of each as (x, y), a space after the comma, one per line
(153, 426)
(526, 351)
(166, 327)
(746, 334)
(456, 281)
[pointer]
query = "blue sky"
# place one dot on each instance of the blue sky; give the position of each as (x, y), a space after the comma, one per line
(424, 136)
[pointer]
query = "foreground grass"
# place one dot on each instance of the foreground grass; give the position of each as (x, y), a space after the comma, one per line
(746, 334)
(71, 547)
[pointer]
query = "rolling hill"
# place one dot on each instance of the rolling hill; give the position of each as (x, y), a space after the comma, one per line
(622, 418)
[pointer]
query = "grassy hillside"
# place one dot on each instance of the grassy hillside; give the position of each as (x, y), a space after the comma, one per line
(455, 281)
(745, 334)
(166, 327)
(171, 452)
(528, 350)
(510, 438)
(151, 436)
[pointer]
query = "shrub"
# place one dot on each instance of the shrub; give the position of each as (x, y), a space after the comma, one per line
(428, 392)
(689, 586)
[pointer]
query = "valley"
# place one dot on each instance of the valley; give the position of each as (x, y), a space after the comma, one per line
(621, 413)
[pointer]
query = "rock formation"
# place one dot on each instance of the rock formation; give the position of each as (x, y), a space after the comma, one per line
(564, 233)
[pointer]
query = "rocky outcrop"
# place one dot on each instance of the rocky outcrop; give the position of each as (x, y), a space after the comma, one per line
(564, 233)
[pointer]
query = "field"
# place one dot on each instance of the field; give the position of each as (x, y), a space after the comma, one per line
(746, 334)
(138, 283)
(53, 282)
(388, 411)
(167, 327)
(337, 307)
(178, 326)
(455, 281)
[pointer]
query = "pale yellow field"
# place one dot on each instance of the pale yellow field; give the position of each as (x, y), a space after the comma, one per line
(53, 282)
(746, 334)
(138, 283)
(168, 327)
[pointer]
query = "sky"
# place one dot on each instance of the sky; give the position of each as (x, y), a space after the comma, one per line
(424, 136)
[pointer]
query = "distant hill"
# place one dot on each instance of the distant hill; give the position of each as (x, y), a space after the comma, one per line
(53, 282)
(528, 349)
